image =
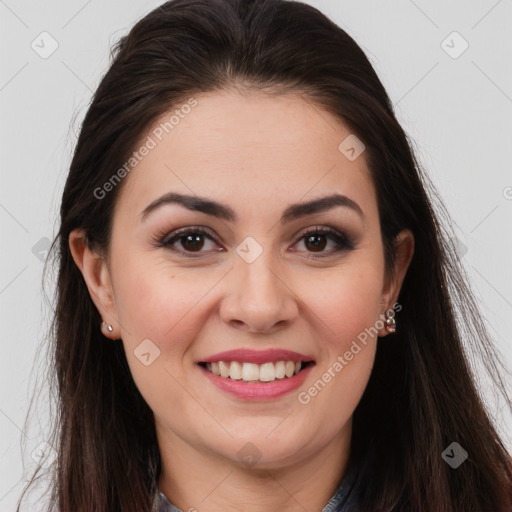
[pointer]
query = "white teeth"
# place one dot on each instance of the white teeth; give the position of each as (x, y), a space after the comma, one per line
(280, 371)
(224, 369)
(250, 371)
(235, 370)
(266, 372)
(215, 368)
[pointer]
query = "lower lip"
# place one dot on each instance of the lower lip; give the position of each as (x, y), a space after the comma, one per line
(258, 390)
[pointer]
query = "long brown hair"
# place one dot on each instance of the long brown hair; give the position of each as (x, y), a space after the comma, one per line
(421, 395)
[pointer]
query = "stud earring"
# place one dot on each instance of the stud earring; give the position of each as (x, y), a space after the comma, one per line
(390, 321)
(107, 326)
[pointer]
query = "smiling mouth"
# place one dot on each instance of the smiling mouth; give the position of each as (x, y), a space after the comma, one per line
(252, 372)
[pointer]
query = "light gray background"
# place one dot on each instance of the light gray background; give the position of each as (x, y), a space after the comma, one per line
(457, 110)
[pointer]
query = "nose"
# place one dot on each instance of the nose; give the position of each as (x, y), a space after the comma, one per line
(259, 299)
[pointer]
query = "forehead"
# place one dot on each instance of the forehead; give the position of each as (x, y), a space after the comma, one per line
(246, 148)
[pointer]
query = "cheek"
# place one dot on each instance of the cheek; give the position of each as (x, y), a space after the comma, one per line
(346, 300)
(157, 307)
(348, 308)
(153, 298)
(355, 307)
(157, 313)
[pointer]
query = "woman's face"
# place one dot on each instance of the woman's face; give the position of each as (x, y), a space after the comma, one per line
(244, 275)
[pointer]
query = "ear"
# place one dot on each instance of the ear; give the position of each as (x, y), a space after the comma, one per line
(404, 243)
(96, 273)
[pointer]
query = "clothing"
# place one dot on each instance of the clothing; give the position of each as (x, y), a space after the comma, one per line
(344, 499)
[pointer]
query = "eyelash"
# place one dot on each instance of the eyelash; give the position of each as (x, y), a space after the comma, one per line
(343, 242)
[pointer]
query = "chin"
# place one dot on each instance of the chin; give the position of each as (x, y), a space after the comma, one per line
(264, 449)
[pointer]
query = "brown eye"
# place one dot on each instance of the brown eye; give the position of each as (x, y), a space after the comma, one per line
(317, 239)
(316, 242)
(191, 241)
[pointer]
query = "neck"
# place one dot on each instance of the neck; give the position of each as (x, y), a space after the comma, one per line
(196, 480)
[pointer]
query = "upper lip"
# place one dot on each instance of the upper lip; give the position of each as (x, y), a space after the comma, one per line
(247, 355)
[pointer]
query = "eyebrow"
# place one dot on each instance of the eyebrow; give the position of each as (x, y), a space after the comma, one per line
(215, 209)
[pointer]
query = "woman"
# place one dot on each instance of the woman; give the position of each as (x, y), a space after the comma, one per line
(257, 305)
